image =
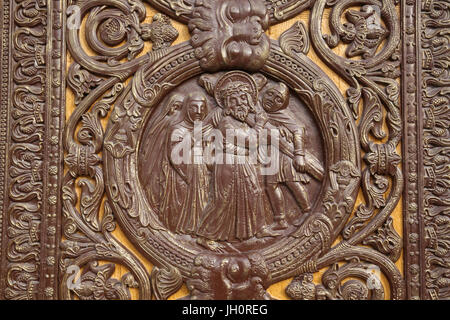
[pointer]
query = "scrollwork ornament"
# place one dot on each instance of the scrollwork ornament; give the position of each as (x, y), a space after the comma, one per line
(295, 40)
(97, 82)
(367, 286)
(165, 282)
(177, 248)
(131, 204)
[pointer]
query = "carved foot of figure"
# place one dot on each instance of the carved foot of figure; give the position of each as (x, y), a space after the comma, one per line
(211, 245)
(299, 221)
(280, 225)
(267, 232)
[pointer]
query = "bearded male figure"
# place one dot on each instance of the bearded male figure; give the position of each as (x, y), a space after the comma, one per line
(236, 211)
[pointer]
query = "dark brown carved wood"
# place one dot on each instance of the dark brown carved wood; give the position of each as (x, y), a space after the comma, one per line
(225, 230)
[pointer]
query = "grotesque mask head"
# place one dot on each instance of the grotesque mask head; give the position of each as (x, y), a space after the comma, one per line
(240, 43)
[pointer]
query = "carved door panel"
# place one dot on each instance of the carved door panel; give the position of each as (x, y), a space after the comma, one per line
(224, 149)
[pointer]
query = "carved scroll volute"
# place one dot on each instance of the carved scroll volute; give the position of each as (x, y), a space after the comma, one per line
(115, 32)
(165, 282)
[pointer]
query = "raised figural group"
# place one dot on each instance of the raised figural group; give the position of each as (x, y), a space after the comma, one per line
(216, 188)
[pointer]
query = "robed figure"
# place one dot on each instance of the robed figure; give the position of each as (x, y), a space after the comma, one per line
(163, 184)
(236, 211)
(186, 156)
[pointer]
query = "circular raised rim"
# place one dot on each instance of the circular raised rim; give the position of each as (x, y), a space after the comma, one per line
(288, 254)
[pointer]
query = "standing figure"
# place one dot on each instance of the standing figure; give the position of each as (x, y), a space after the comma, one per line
(163, 185)
(190, 166)
(292, 170)
(236, 211)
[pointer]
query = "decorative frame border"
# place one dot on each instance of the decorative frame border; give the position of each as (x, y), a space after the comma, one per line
(425, 148)
(32, 119)
(411, 154)
(434, 114)
(29, 186)
(307, 246)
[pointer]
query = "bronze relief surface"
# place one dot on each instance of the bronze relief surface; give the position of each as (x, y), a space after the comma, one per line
(230, 162)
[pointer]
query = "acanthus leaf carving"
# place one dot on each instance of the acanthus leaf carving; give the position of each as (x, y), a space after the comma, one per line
(386, 240)
(97, 283)
(165, 282)
(295, 40)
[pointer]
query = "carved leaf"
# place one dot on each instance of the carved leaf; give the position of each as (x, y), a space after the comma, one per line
(165, 282)
(181, 7)
(295, 40)
(386, 240)
(372, 118)
(81, 81)
(354, 97)
(106, 249)
(91, 194)
(108, 224)
(374, 195)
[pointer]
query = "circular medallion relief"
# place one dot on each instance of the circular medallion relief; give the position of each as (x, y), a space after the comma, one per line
(263, 166)
(190, 154)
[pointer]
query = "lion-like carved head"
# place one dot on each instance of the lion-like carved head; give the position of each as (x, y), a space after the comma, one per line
(230, 34)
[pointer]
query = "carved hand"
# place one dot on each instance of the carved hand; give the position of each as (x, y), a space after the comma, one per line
(300, 164)
(261, 119)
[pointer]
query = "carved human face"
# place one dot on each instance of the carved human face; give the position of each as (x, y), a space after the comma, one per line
(239, 105)
(274, 99)
(176, 103)
(196, 108)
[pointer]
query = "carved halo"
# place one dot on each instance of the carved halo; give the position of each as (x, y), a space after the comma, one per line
(236, 76)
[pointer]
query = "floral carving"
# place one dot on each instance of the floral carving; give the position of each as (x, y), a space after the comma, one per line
(368, 286)
(363, 32)
(96, 283)
(295, 40)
